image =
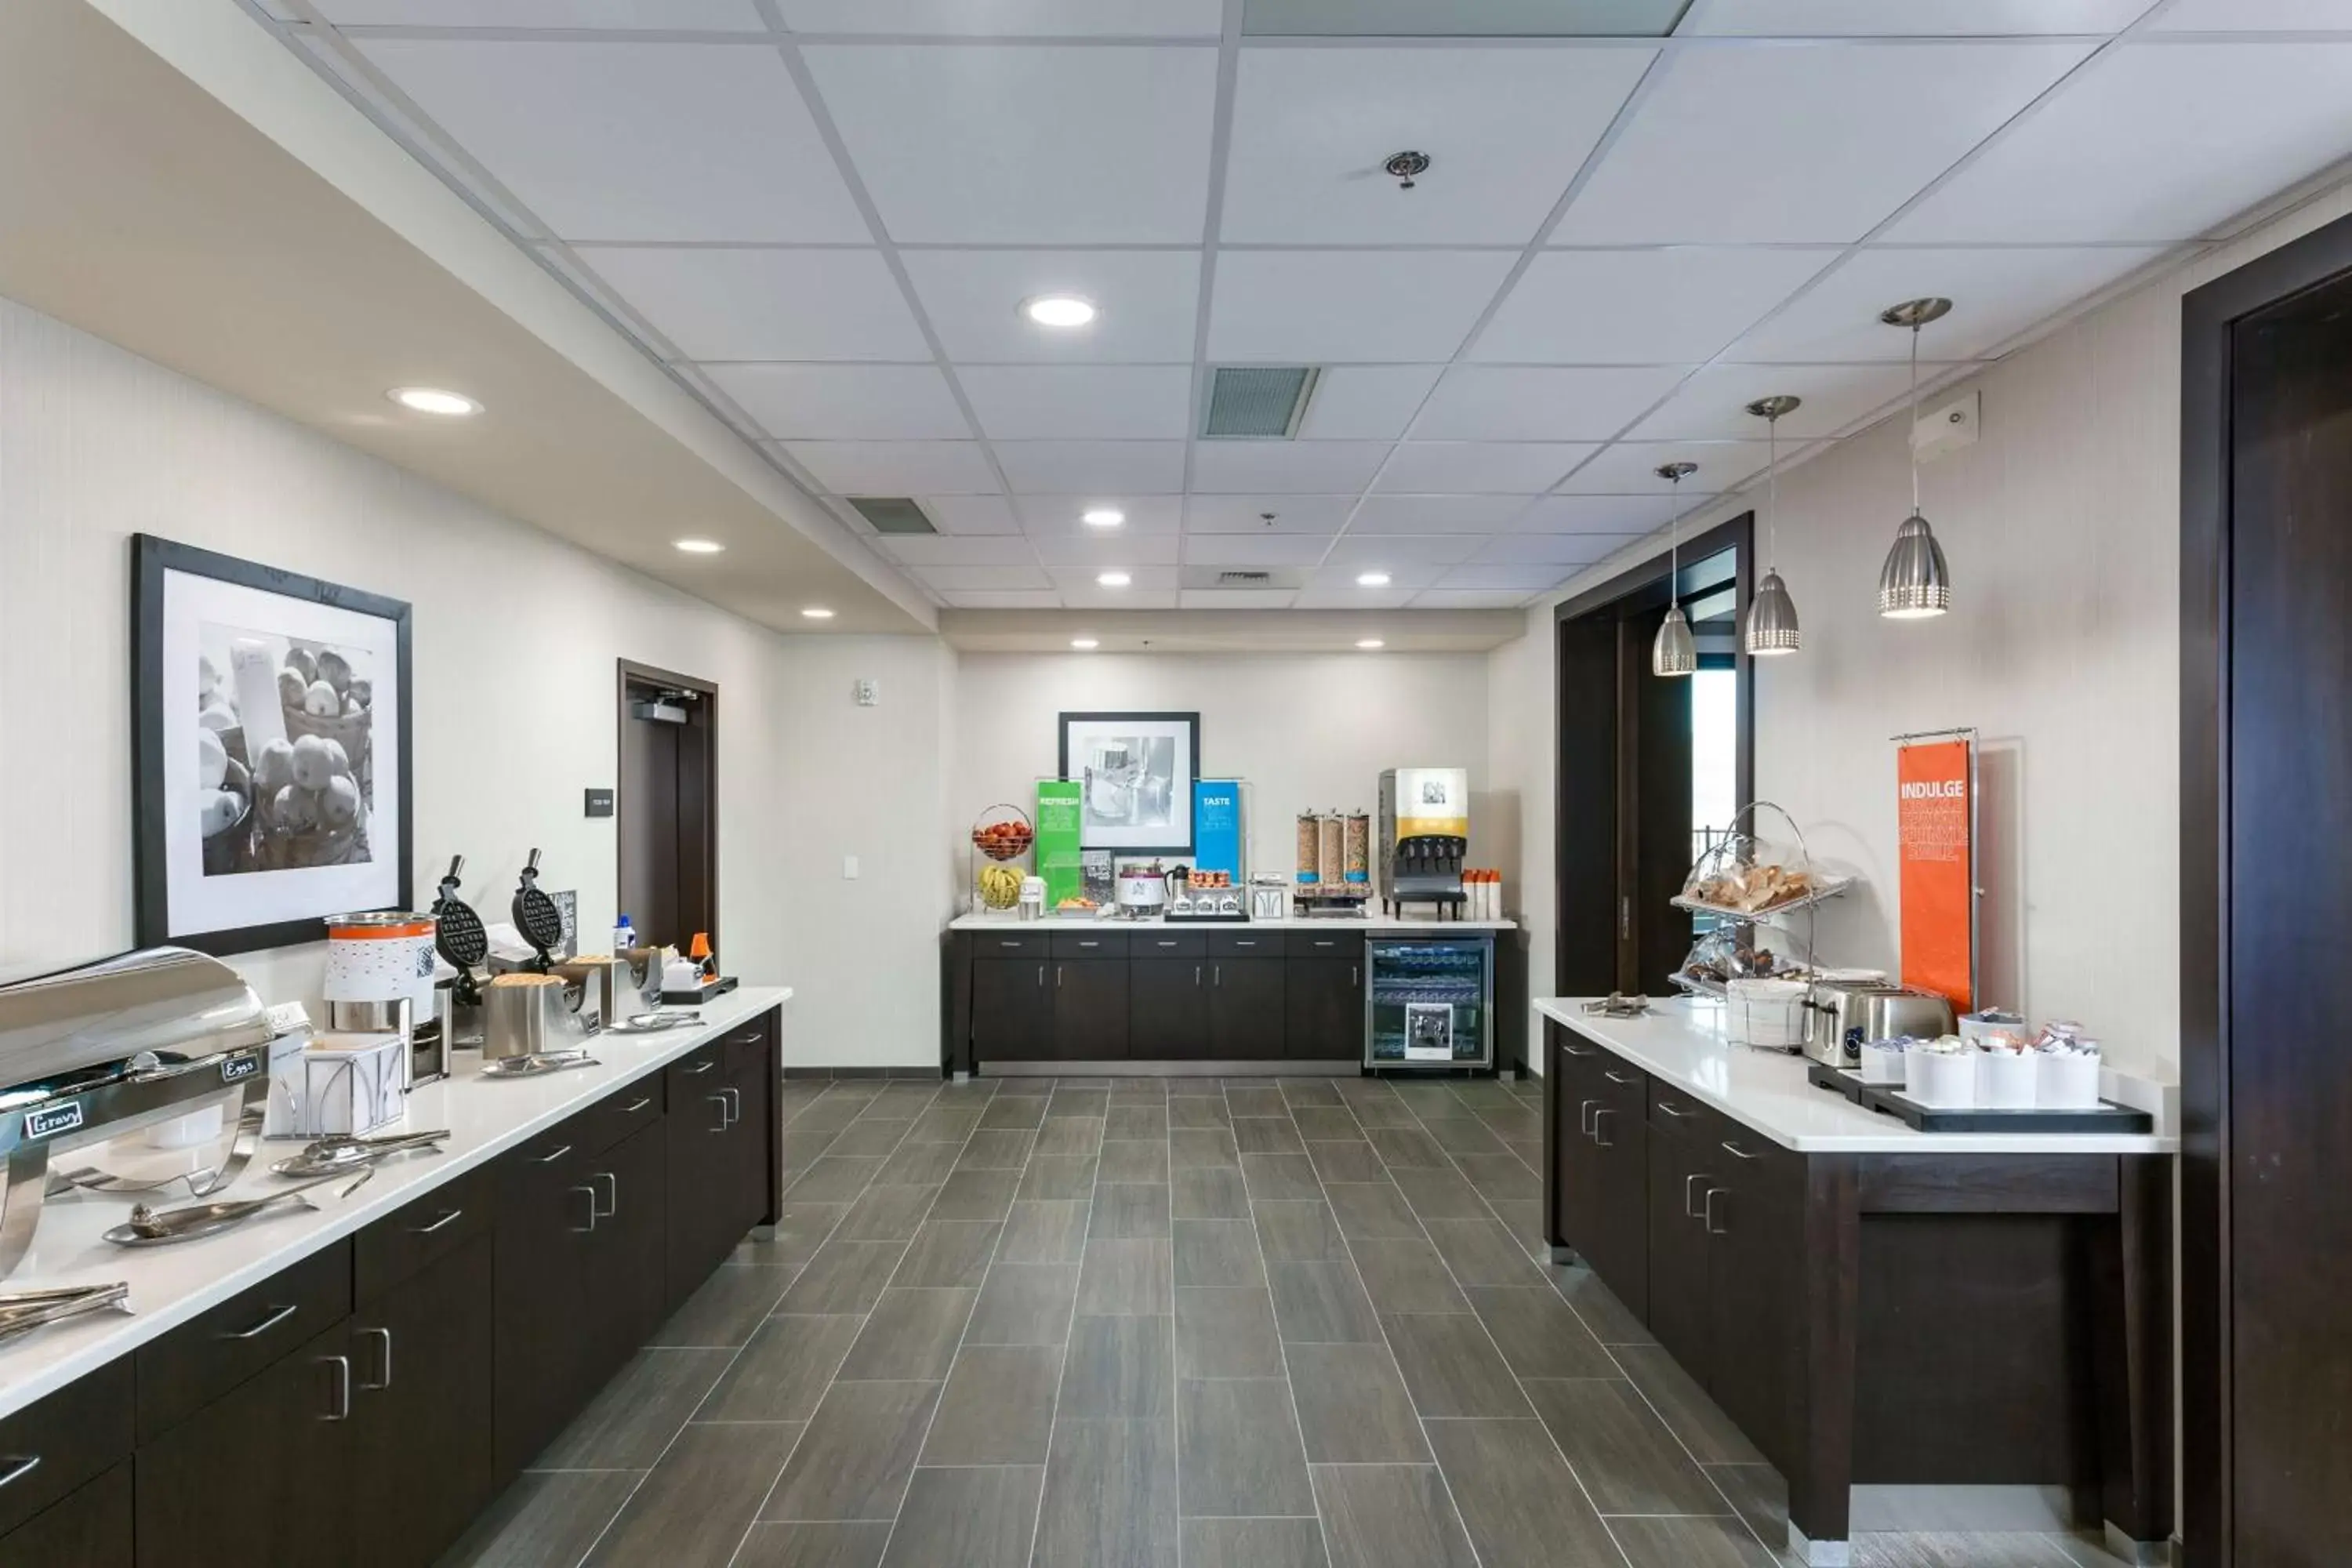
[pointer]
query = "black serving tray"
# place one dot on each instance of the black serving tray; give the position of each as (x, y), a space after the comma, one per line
(1240, 918)
(1890, 1101)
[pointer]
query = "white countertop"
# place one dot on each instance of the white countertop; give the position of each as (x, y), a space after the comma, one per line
(169, 1285)
(1421, 925)
(1681, 1042)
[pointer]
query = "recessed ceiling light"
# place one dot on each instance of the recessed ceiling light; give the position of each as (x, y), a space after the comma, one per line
(1102, 517)
(1114, 579)
(817, 613)
(698, 546)
(1370, 642)
(1371, 579)
(1084, 643)
(1058, 311)
(433, 400)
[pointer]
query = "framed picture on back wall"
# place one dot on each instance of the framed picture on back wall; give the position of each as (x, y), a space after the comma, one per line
(270, 750)
(1135, 773)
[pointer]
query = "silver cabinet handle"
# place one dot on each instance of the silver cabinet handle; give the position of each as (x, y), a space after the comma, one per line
(1584, 1117)
(1706, 1212)
(1040, 975)
(591, 1195)
(551, 1159)
(275, 1316)
(1218, 975)
(1012, 941)
(1668, 1107)
(698, 1068)
(720, 1102)
(1604, 1110)
(1196, 974)
(1355, 974)
(1610, 1073)
(20, 1469)
(638, 1104)
(1057, 976)
(383, 1360)
(1730, 1148)
(734, 1104)
(1090, 945)
(343, 1407)
(1164, 942)
(613, 1193)
(450, 1218)
(1689, 1183)
(1573, 1051)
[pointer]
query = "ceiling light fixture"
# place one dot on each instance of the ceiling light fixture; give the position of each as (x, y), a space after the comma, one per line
(1771, 614)
(698, 546)
(1102, 517)
(1114, 579)
(1675, 652)
(1915, 584)
(1058, 310)
(1368, 644)
(433, 400)
(1371, 579)
(817, 613)
(1082, 643)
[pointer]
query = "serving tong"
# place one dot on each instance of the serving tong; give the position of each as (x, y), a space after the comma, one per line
(345, 1152)
(22, 1311)
(531, 1064)
(158, 1227)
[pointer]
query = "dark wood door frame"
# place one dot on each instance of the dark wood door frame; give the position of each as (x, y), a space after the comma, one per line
(1588, 803)
(629, 672)
(2208, 316)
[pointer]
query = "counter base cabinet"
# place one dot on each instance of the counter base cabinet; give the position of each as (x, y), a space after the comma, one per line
(1090, 1009)
(1323, 1004)
(1168, 1009)
(422, 1372)
(1245, 1015)
(1012, 1009)
(89, 1528)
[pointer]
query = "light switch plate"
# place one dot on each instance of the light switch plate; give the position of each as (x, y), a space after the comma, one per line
(849, 868)
(868, 692)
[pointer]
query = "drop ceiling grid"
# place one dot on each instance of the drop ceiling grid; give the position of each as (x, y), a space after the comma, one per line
(1780, 335)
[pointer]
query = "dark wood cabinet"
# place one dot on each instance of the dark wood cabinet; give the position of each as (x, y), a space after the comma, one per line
(1090, 1009)
(1620, 1249)
(1168, 1009)
(89, 1527)
(546, 1215)
(1246, 1009)
(629, 1287)
(1012, 1009)
(1575, 1157)
(1753, 1213)
(1323, 1009)
(422, 1369)
(1679, 1177)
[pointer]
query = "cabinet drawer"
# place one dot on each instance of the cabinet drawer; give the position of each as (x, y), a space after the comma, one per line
(1170, 944)
(1245, 944)
(51, 1447)
(1623, 1087)
(624, 1112)
(1324, 944)
(203, 1359)
(994, 944)
(1090, 945)
(693, 1079)
(747, 1046)
(416, 1234)
(1680, 1112)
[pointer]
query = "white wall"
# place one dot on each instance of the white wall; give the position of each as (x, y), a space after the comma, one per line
(2062, 525)
(1307, 731)
(514, 640)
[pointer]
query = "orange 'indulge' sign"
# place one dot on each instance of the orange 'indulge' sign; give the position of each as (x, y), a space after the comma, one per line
(1931, 816)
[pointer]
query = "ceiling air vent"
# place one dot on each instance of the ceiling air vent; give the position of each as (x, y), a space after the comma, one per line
(1256, 403)
(1263, 578)
(892, 514)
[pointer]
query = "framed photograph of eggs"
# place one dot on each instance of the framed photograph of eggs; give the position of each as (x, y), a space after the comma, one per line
(270, 750)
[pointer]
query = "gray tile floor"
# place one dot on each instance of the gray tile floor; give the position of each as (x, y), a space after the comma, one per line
(1129, 1323)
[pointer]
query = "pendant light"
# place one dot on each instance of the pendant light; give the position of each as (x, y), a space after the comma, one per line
(1915, 584)
(1675, 653)
(1771, 613)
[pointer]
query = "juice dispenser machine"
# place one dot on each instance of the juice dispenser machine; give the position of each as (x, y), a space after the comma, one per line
(1424, 834)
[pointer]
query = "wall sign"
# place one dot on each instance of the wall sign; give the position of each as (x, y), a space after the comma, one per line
(1935, 820)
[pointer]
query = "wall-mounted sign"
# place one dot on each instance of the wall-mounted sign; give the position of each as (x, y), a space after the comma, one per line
(1935, 814)
(1057, 840)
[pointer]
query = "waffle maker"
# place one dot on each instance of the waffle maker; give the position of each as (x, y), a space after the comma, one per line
(464, 945)
(536, 916)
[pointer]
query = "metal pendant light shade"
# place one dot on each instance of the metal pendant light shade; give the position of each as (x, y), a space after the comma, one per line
(1915, 584)
(1773, 627)
(1675, 651)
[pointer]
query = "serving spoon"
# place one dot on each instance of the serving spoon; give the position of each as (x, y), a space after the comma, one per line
(153, 1228)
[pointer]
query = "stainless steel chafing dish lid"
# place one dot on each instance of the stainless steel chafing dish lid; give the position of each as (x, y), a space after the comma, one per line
(170, 1001)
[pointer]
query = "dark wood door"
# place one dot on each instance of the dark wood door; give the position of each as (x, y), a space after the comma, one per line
(1090, 1009)
(627, 1283)
(1656, 798)
(1323, 1009)
(1246, 1009)
(1012, 1009)
(89, 1527)
(1168, 1009)
(260, 1475)
(1755, 1234)
(1679, 1175)
(545, 1219)
(422, 1367)
(667, 809)
(2287, 1096)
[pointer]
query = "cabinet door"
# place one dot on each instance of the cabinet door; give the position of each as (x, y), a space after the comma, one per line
(1679, 1178)
(1012, 1009)
(1757, 1236)
(1168, 1009)
(1622, 1244)
(260, 1475)
(1576, 1157)
(703, 1172)
(545, 1206)
(89, 1527)
(1090, 1009)
(627, 1282)
(1323, 1009)
(422, 1369)
(1245, 1021)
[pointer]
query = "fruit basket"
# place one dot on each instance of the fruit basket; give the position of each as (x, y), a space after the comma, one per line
(1003, 837)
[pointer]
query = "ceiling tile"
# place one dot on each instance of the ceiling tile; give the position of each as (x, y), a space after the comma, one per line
(1330, 307)
(1058, 144)
(1018, 599)
(1235, 598)
(1148, 300)
(1311, 128)
(626, 141)
(1255, 549)
(1828, 138)
(969, 514)
(845, 401)
(1552, 549)
(1351, 598)
(2254, 15)
(1713, 405)
(698, 15)
(1366, 403)
(1094, 468)
(1480, 403)
(1098, 552)
(1533, 579)
(1404, 576)
(1435, 513)
(1598, 514)
(2116, 156)
(1248, 513)
(1679, 304)
(959, 550)
(1080, 402)
(1303, 467)
(1046, 514)
(963, 579)
(1359, 552)
(1916, 19)
(1008, 18)
(897, 467)
(766, 304)
(1152, 588)
(1470, 468)
(1469, 599)
(1629, 468)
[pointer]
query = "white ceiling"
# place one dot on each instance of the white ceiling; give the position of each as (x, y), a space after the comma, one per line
(824, 214)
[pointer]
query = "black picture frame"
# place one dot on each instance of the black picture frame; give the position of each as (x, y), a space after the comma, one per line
(1189, 723)
(152, 560)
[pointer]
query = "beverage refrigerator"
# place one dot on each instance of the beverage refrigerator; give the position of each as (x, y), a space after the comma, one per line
(1428, 1002)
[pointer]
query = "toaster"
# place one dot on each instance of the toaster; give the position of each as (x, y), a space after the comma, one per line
(1842, 1014)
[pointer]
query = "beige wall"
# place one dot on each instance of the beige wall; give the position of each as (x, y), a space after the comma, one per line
(2061, 526)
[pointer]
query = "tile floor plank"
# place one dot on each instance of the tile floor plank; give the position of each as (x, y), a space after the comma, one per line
(1044, 1231)
(855, 1457)
(1239, 1453)
(1210, 1193)
(1126, 1275)
(998, 1408)
(1321, 1303)
(694, 1507)
(1120, 1368)
(1536, 1332)
(1023, 1304)
(1280, 1177)
(1405, 1273)
(1726, 1543)
(813, 1546)
(1226, 1333)
(1622, 1453)
(1518, 1502)
(1110, 1497)
(887, 1213)
(784, 1370)
(1134, 1160)
(966, 1517)
(1481, 1252)
(1369, 1210)
(953, 1253)
(1254, 1543)
(1129, 1211)
(1217, 1252)
(1352, 1406)
(633, 1418)
(1389, 1516)
(1450, 1366)
(544, 1520)
(843, 1277)
(909, 1337)
(1066, 1135)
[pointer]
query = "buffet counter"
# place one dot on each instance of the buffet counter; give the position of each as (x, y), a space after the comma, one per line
(1377, 925)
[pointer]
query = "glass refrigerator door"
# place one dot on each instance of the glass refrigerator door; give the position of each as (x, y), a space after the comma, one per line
(1429, 1004)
